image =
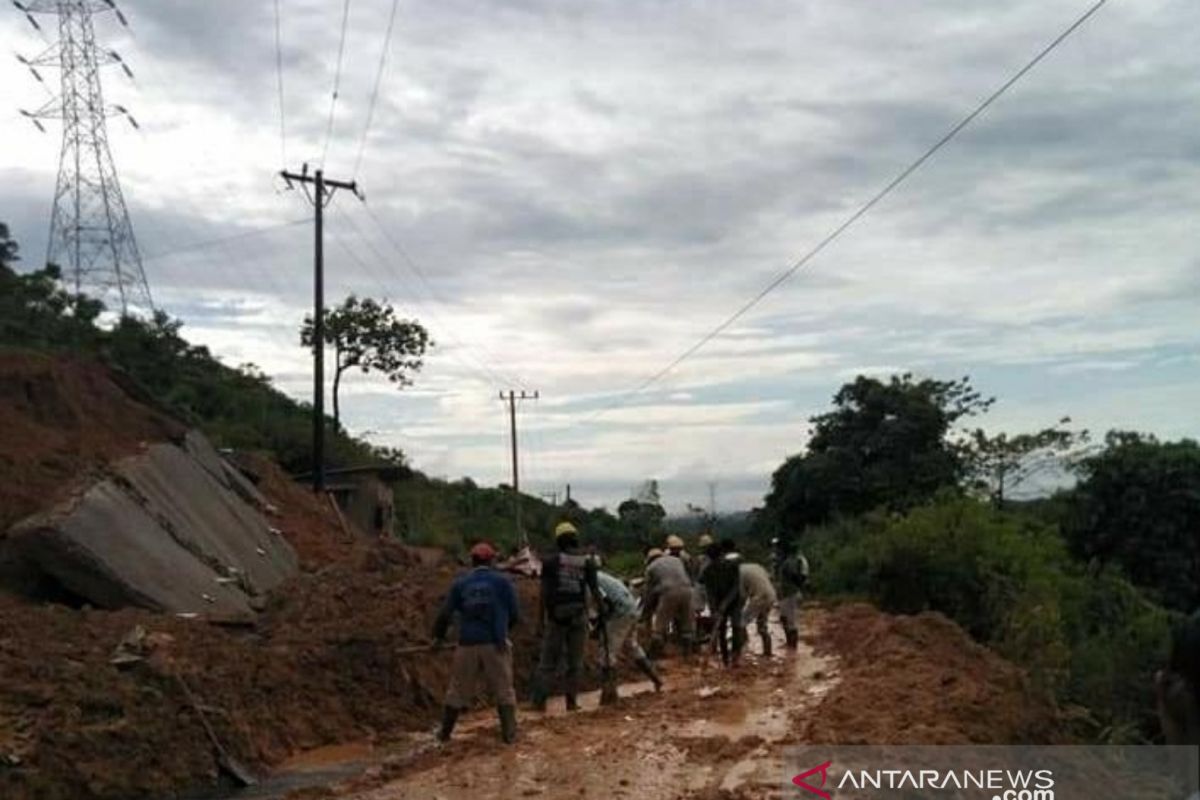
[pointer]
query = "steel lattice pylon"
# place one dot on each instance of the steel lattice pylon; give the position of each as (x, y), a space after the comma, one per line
(91, 238)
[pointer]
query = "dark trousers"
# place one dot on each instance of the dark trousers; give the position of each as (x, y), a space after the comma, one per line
(729, 626)
(561, 639)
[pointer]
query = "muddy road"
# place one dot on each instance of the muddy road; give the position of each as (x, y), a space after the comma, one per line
(711, 732)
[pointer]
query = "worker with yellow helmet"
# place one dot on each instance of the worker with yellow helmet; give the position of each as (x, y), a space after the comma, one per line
(568, 576)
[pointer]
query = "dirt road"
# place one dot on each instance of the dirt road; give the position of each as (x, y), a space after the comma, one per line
(712, 732)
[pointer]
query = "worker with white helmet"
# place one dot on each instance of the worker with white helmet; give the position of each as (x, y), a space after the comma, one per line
(668, 596)
(760, 598)
(568, 576)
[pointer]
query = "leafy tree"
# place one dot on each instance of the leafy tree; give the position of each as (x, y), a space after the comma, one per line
(366, 334)
(8, 248)
(36, 311)
(642, 516)
(997, 465)
(1137, 506)
(884, 444)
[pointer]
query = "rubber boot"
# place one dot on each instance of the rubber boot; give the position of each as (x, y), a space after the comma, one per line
(655, 650)
(793, 638)
(449, 718)
(608, 687)
(537, 697)
(572, 703)
(766, 644)
(508, 723)
(646, 667)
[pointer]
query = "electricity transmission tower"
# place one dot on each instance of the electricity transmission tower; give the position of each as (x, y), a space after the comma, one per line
(91, 238)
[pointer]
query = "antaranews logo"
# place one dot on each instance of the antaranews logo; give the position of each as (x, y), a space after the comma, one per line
(801, 780)
(1005, 784)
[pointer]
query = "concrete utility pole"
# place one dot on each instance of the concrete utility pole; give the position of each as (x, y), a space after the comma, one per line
(323, 191)
(512, 397)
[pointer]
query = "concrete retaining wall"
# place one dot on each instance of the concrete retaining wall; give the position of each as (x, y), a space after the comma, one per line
(174, 529)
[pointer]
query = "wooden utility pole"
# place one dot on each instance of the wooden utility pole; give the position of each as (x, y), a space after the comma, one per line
(323, 191)
(512, 397)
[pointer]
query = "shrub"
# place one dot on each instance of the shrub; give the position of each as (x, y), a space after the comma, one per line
(1085, 639)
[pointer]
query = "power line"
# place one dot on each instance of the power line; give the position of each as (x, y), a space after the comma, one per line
(383, 54)
(283, 160)
(222, 240)
(853, 218)
(484, 357)
(337, 80)
(480, 367)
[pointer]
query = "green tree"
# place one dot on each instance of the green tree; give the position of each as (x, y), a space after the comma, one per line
(8, 248)
(1137, 506)
(642, 516)
(998, 465)
(885, 444)
(36, 311)
(367, 334)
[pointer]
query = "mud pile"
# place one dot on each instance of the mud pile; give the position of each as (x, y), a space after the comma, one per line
(321, 667)
(64, 420)
(108, 503)
(113, 704)
(921, 680)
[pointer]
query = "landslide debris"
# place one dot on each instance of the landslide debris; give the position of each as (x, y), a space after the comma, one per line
(922, 680)
(65, 420)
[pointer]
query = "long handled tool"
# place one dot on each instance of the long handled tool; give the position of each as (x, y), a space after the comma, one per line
(227, 762)
(608, 675)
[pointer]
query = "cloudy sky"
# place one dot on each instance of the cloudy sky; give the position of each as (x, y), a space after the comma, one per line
(570, 194)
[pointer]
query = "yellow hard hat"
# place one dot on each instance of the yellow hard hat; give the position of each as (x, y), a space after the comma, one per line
(705, 540)
(674, 542)
(652, 554)
(564, 529)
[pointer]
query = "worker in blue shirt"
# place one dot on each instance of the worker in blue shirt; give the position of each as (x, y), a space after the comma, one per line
(485, 604)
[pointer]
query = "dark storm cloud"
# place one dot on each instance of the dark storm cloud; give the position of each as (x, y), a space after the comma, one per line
(594, 185)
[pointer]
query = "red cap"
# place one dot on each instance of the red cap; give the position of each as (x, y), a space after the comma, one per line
(483, 552)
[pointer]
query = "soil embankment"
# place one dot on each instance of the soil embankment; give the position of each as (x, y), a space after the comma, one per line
(860, 676)
(323, 663)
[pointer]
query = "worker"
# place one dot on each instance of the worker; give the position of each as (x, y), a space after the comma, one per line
(675, 546)
(701, 561)
(760, 598)
(722, 584)
(1177, 687)
(487, 609)
(621, 615)
(791, 575)
(668, 597)
(567, 578)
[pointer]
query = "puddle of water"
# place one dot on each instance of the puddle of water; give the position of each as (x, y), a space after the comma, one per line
(326, 757)
(733, 720)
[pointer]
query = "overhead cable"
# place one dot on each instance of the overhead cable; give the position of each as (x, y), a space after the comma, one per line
(853, 218)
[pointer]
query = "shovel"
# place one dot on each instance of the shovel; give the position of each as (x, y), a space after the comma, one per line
(235, 768)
